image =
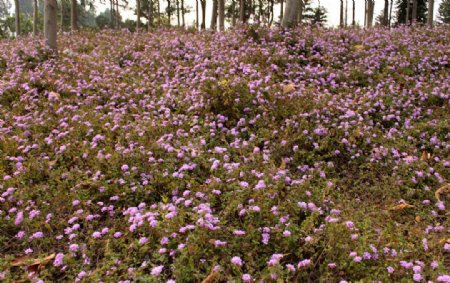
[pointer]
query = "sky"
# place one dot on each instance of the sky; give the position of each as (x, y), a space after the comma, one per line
(332, 7)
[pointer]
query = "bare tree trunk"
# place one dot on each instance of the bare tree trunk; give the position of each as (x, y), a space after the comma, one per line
(221, 15)
(169, 11)
(386, 13)
(341, 14)
(138, 15)
(430, 13)
(73, 15)
(150, 15)
(17, 17)
(281, 10)
(159, 13)
(414, 11)
(111, 13)
(291, 13)
(365, 12)
(182, 14)
(407, 21)
(353, 13)
(196, 14)
(117, 14)
(233, 14)
(50, 25)
(370, 9)
(178, 12)
(300, 12)
(203, 4)
(271, 12)
(35, 17)
(214, 16)
(390, 13)
(62, 15)
(242, 11)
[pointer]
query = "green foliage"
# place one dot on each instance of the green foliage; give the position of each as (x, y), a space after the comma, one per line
(444, 11)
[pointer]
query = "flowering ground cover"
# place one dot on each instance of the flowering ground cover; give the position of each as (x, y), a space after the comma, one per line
(251, 155)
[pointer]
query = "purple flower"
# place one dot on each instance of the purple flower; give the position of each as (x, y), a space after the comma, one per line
(157, 270)
(236, 260)
(246, 278)
(59, 260)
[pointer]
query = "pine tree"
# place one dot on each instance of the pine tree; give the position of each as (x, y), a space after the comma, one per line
(444, 11)
(421, 11)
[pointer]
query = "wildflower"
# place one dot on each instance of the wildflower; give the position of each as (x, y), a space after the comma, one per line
(246, 278)
(236, 260)
(59, 260)
(157, 270)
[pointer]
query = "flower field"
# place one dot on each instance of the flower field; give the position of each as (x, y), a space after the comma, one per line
(253, 155)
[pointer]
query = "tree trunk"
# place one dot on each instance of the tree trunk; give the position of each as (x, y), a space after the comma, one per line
(203, 4)
(73, 15)
(159, 13)
(414, 11)
(150, 15)
(407, 21)
(178, 12)
(221, 15)
(242, 11)
(62, 16)
(281, 10)
(17, 17)
(291, 13)
(169, 12)
(117, 14)
(233, 14)
(138, 15)
(386, 13)
(111, 13)
(300, 11)
(390, 13)
(365, 12)
(214, 15)
(196, 14)
(353, 13)
(370, 9)
(183, 23)
(341, 14)
(50, 25)
(35, 17)
(430, 13)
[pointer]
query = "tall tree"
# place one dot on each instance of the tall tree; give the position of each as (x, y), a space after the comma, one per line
(242, 11)
(214, 15)
(390, 13)
(221, 15)
(196, 14)
(341, 14)
(50, 24)
(183, 12)
(281, 10)
(430, 13)
(414, 11)
(386, 13)
(346, 12)
(290, 13)
(73, 15)
(370, 11)
(444, 11)
(203, 4)
(353, 13)
(404, 11)
(35, 17)
(138, 15)
(17, 17)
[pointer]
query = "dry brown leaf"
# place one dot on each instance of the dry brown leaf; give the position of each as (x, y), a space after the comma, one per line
(418, 218)
(445, 189)
(25, 260)
(282, 165)
(402, 206)
(359, 47)
(212, 277)
(288, 88)
(425, 156)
